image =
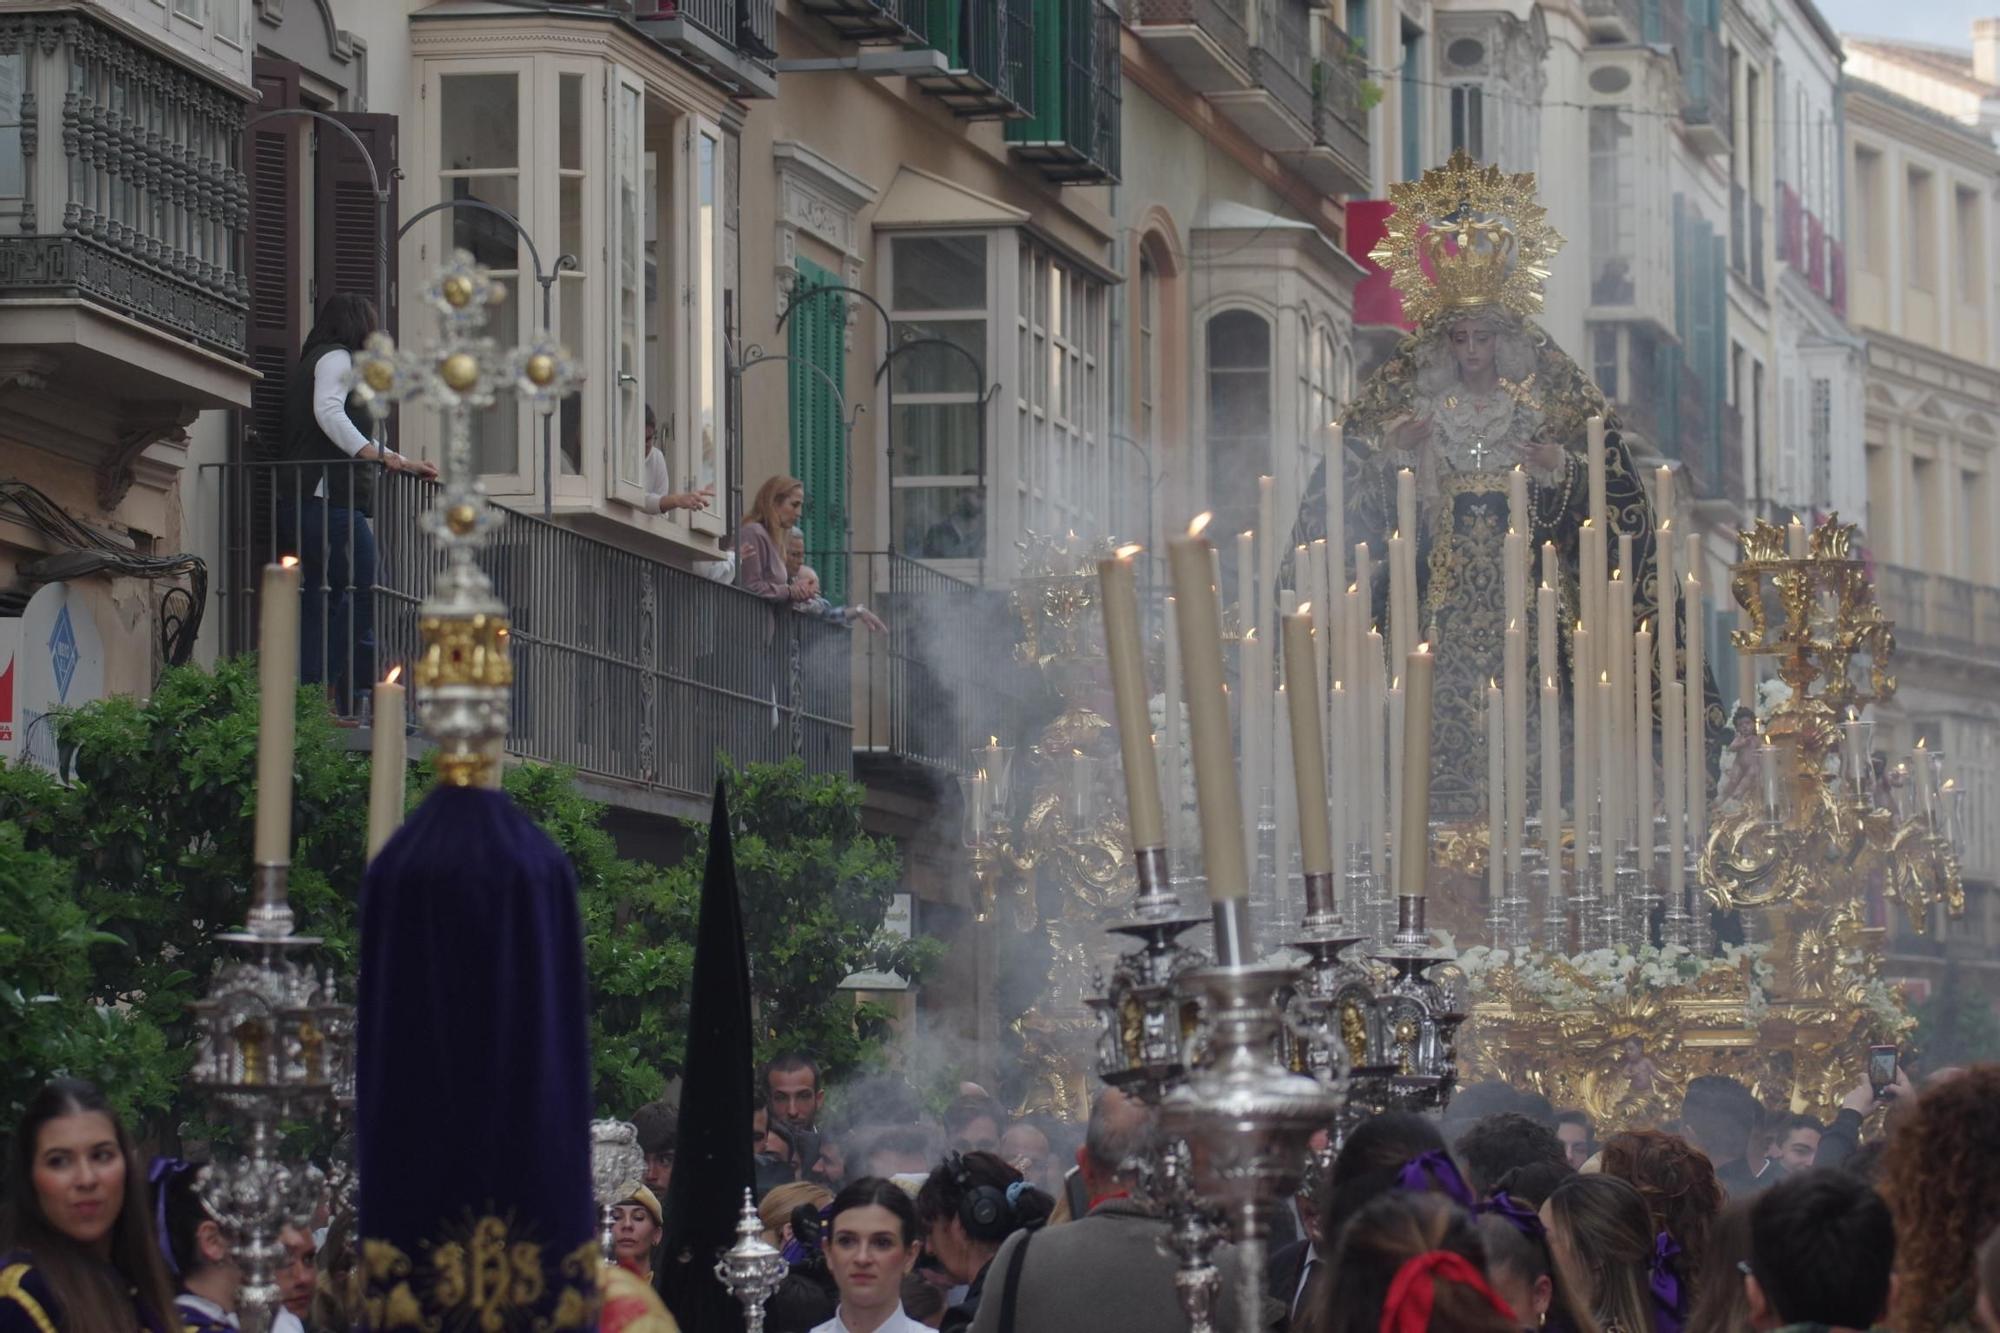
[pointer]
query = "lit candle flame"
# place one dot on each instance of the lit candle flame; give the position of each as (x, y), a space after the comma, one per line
(1249, 634)
(1305, 608)
(1666, 523)
(1395, 682)
(1604, 678)
(1424, 648)
(992, 742)
(395, 674)
(1200, 524)
(1129, 550)
(288, 561)
(1339, 687)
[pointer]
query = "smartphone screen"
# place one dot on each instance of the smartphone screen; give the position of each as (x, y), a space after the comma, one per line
(1882, 1067)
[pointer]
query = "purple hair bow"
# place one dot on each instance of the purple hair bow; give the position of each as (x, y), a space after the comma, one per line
(159, 1175)
(1435, 1172)
(1666, 1288)
(1517, 1214)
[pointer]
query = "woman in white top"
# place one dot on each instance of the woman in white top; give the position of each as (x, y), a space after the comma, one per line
(871, 1239)
(326, 498)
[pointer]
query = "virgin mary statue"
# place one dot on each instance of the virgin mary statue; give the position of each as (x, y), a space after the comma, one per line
(1475, 391)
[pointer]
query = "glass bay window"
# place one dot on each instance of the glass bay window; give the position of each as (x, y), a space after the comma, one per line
(600, 163)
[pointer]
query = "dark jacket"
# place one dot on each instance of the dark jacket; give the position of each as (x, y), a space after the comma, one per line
(1105, 1273)
(28, 1306)
(305, 442)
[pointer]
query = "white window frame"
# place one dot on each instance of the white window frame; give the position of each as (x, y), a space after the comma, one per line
(999, 252)
(516, 319)
(707, 357)
(624, 399)
(1060, 486)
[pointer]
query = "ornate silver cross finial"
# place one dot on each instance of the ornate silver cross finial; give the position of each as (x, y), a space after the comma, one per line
(463, 674)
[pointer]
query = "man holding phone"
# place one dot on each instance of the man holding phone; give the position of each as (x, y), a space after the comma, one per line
(1843, 1136)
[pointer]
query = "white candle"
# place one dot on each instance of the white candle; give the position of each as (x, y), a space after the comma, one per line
(1378, 730)
(1594, 459)
(1795, 539)
(1402, 596)
(1696, 700)
(1607, 769)
(1514, 697)
(1674, 775)
(1176, 798)
(1496, 794)
(388, 760)
(1246, 582)
(1642, 745)
(1200, 628)
(1342, 751)
(1268, 546)
(1618, 778)
(1398, 719)
(1125, 654)
(1334, 446)
(277, 709)
(1552, 781)
(1413, 836)
(1583, 735)
(1663, 492)
(1406, 502)
(1665, 637)
(1308, 746)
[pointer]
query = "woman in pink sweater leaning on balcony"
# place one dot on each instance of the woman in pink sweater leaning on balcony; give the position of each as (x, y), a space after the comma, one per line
(760, 543)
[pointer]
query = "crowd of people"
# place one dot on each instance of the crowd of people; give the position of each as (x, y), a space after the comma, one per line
(1504, 1214)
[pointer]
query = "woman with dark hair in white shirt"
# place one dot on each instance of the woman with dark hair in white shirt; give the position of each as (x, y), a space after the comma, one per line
(325, 511)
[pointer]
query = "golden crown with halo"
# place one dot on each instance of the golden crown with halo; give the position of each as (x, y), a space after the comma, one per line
(1465, 235)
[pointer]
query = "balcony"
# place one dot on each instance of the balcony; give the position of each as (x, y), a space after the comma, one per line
(1940, 616)
(1837, 280)
(121, 258)
(1205, 42)
(875, 20)
(1074, 134)
(988, 47)
(733, 42)
(1705, 91)
(1276, 109)
(1612, 21)
(632, 671)
(1337, 160)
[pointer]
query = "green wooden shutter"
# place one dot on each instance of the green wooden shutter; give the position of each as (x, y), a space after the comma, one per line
(819, 435)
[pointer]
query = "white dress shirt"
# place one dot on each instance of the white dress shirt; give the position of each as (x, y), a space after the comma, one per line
(895, 1323)
(282, 1321)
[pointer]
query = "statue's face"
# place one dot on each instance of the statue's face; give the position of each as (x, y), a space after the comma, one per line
(1473, 346)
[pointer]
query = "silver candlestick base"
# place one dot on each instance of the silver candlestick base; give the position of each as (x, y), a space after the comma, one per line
(1141, 1048)
(1555, 912)
(1618, 913)
(1245, 1118)
(1587, 902)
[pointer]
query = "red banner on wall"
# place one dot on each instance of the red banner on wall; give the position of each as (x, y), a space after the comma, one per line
(1376, 300)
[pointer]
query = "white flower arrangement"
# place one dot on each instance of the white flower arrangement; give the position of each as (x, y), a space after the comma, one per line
(1613, 973)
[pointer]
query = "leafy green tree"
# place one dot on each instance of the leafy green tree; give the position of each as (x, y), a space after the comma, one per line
(114, 884)
(815, 888)
(1956, 1025)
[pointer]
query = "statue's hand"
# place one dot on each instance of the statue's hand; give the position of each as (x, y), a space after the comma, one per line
(1542, 456)
(1410, 432)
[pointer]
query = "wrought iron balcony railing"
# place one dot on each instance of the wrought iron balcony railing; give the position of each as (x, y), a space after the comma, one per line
(146, 216)
(1340, 116)
(1937, 614)
(989, 47)
(1281, 56)
(1206, 41)
(625, 667)
(1079, 82)
(1612, 20)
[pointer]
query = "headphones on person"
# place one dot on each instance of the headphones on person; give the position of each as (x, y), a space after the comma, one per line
(982, 1210)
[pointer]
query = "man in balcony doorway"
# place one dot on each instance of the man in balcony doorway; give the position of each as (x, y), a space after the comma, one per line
(326, 495)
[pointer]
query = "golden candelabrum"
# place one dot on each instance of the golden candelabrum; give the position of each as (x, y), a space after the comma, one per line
(1792, 1010)
(1047, 837)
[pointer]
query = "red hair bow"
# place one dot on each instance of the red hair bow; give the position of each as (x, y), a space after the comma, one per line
(1407, 1308)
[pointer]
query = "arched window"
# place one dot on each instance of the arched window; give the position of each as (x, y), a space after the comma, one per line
(1239, 415)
